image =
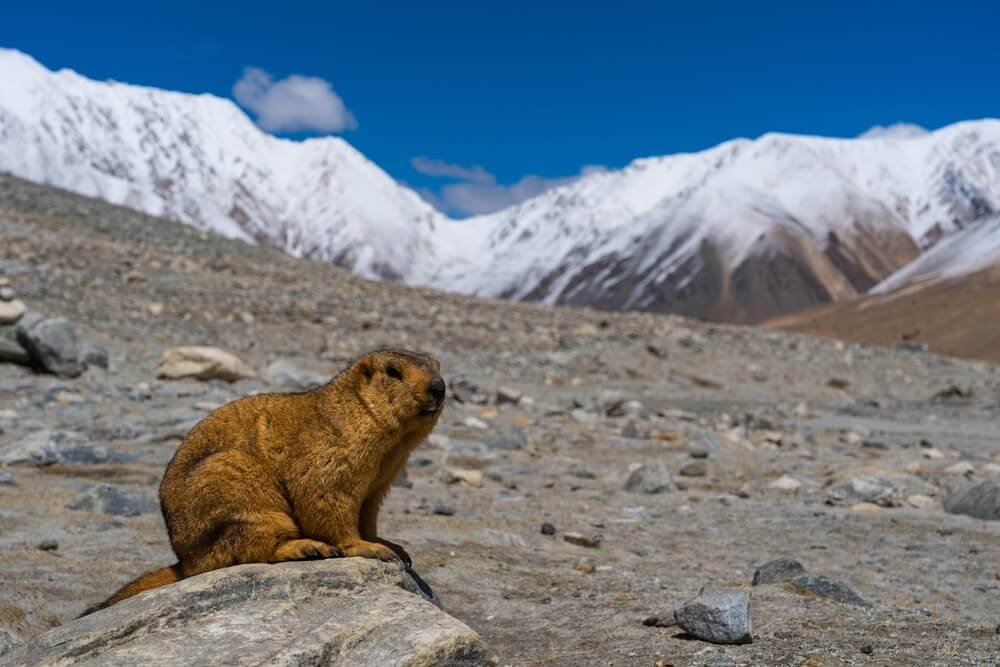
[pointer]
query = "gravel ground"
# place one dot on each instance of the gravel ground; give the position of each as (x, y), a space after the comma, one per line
(667, 455)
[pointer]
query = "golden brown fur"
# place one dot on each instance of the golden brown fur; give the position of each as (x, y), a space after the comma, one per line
(278, 477)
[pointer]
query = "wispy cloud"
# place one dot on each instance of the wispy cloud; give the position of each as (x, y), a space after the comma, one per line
(295, 104)
(431, 167)
(894, 131)
(478, 192)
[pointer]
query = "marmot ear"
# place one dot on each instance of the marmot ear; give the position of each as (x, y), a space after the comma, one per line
(365, 370)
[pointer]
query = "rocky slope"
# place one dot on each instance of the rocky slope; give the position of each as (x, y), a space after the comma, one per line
(741, 232)
(591, 474)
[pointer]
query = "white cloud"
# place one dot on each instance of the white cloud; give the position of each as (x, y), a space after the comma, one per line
(431, 167)
(294, 104)
(479, 192)
(894, 131)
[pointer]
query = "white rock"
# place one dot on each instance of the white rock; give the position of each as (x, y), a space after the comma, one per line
(202, 363)
(11, 311)
(786, 483)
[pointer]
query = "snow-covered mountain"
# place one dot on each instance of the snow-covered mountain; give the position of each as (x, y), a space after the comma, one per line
(743, 231)
(200, 160)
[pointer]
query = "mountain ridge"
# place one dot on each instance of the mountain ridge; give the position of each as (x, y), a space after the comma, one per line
(744, 231)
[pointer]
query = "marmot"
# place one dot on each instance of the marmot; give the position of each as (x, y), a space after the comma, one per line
(277, 477)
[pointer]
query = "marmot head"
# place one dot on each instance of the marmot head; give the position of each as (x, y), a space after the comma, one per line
(402, 387)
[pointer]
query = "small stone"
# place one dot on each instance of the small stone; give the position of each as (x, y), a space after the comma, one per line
(115, 501)
(48, 545)
(51, 343)
(698, 454)
(470, 477)
(247, 318)
(586, 568)
(827, 587)
(786, 483)
(582, 416)
(548, 529)
(155, 308)
(11, 311)
(920, 501)
(7, 293)
(50, 446)
(141, 392)
(934, 454)
(581, 540)
(508, 396)
(441, 509)
(649, 478)
(865, 508)
(476, 423)
(720, 617)
(202, 363)
(94, 355)
(694, 469)
(773, 571)
(667, 621)
(960, 468)
(12, 352)
(866, 489)
(838, 383)
(867, 649)
(6, 479)
(980, 500)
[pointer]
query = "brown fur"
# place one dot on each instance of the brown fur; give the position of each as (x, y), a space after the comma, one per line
(278, 477)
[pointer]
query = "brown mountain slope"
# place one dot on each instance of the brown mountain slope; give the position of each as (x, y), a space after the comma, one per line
(958, 318)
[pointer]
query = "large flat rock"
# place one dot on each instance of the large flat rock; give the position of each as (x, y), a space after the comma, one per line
(349, 611)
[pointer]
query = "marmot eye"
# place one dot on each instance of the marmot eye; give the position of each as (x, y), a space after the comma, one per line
(393, 371)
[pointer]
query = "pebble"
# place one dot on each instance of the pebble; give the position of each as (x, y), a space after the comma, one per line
(832, 589)
(960, 468)
(695, 469)
(660, 621)
(51, 343)
(866, 508)
(201, 362)
(6, 479)
(94, 355)
(11, 311)
(980, 500)
(586, 568)
(115, 501)
(48, 545)
(7, 293)
(476, 423)
(508, 396)
(581, 540)
(786, 483)
(920, 501)
(442, 509)
(548, 529)
(720, 617)
(781, 569)
(649, 478)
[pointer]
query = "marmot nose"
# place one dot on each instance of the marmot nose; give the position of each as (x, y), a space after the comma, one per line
(436, 387)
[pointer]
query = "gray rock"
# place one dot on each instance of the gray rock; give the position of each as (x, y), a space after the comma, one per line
(980, 500)
(346, 611)
(7, 642)
(871, 489)
(508, 395)
(782, 569)
(51, 343)
(6, 479)
(93, 354)
(7, 293)
(46, 447)
(12, 352)
(512, 438)
(11, 310)
(463, 390)
(830, 588)
(650, 478)
(285, 373)
(720, 617)
(115, 501)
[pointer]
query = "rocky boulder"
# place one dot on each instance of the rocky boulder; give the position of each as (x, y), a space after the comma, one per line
(51, 343)
(348, 611)
(980, 500)
(202, 363)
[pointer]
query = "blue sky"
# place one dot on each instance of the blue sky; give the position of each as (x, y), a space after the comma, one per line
(532, 93)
